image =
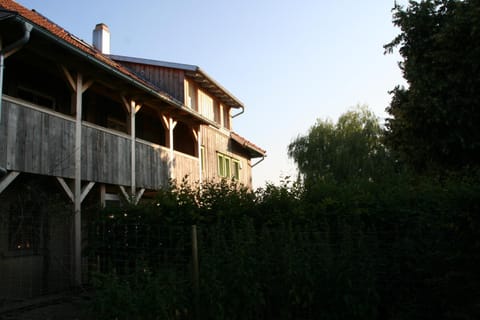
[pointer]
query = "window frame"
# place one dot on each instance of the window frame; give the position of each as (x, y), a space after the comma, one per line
(228, 167)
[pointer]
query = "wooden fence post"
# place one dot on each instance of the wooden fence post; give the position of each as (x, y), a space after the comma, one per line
(195, 273)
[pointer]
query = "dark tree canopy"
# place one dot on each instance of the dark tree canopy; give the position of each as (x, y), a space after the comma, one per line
(435, 121)
(347, 150)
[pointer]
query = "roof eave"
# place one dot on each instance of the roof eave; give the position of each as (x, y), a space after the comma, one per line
(194, 72)
(235, 102)
(152, 91)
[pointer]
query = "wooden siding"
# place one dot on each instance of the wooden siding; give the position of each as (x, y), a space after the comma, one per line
(40, 141)
(166, 79)
(151, 165)
(36, 142)
(215, 142)
(185, 165)
(105, 156)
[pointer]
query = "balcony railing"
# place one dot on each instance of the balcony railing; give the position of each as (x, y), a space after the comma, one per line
(42, 141)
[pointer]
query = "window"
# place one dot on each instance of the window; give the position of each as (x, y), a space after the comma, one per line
(221, 165)
(228, 167)
(236, 169)
(190, 95)
(226, 117)
(206, 105)
(217, 112)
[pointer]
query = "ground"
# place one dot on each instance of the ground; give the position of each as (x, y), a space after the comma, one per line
(68, 307)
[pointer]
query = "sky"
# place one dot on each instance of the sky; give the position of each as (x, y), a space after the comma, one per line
(290, 62)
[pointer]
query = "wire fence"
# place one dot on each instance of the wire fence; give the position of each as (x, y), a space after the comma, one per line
(229, 269)
(282, 272)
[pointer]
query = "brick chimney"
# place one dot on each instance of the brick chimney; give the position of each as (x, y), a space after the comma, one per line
(101, 38)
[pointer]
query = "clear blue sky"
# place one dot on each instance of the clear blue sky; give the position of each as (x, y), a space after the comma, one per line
(289, 61)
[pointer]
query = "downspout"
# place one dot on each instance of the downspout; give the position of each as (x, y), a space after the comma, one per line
(236, 115)
(5, 53)
(8, 51)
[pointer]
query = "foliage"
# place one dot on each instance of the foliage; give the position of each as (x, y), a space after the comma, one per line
(345, 151)
(395, 249)
(142, 295)
(434, 123)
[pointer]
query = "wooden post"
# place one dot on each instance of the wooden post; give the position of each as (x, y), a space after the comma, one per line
(170, 124)
(199, 142)
(133, 187)
(132, 108)
(195, 274)
(103, 191)
(77, 229)
(78, 87)
(170, 136)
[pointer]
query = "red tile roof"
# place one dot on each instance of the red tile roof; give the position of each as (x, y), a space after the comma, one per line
(247, 144)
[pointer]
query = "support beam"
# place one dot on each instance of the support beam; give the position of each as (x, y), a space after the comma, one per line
(171, 126)
(124, 192)
(78, 182)
(133, 161)
(69, 77)
(5, 182)
(66, 188)
(166, 122)
(103, 195)
(86, 190)
(87, 85)
(139, 195)
(132, 108)
(199, 147)
(132, 198)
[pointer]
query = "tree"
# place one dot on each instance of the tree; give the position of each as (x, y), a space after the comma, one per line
(340, 152)
(435, 120)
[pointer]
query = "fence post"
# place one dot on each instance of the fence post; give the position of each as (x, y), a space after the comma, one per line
(195, 274)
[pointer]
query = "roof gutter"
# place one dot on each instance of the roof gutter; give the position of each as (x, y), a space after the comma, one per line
(236, 115)
(8, 51)
(258, 162)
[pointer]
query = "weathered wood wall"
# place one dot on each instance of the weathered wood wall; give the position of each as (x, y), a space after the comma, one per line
(184, 165)
(151, 165)
(40, 141)
(36, 142)
(216, 141)
(166, 79)
(105, 156)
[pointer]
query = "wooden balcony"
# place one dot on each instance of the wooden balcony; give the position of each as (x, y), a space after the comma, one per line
(41, 141)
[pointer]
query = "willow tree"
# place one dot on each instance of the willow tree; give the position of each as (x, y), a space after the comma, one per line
(349, 149)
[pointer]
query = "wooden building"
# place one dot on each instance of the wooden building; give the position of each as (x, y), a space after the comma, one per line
(84, 126)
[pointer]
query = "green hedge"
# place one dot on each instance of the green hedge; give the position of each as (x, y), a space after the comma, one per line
(402, 249)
